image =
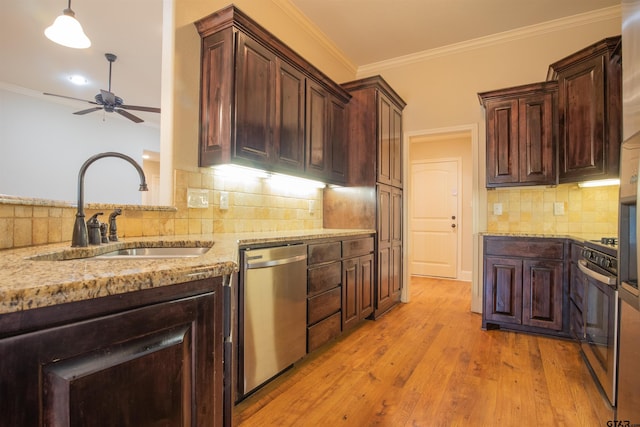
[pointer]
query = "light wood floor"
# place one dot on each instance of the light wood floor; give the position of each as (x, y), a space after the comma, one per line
(428, 363)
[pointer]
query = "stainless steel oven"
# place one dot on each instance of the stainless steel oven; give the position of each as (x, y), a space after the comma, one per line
(600, 310)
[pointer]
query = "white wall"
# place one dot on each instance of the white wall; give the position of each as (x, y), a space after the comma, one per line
(43, 145)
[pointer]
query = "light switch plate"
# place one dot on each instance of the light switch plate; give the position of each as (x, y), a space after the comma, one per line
(224, 200)
(197, 198)
(497, 208)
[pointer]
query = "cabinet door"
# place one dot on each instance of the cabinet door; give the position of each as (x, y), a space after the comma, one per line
(289, 130)
(396, 243)
(542, 294)
(350, 303)
(255, 101)
(385, 139)
(502, 142)
(337, 142)
(216, 95)
(396, 147)
(157, 365)
(582, 120)
(317, 101)
(535, 139)
(384, 286)
(365, 285)
(503, 289)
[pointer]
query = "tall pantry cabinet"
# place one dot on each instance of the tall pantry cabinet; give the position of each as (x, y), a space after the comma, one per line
(373, 196)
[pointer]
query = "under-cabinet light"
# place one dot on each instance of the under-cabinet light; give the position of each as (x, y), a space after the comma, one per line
(239, 172)
(599, 183)
(287, 181)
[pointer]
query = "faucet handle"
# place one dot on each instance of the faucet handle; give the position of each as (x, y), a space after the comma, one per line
(103, 233)
(113, 227)
(94, 229)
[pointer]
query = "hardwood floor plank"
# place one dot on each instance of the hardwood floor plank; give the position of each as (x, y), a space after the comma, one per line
(429, 363)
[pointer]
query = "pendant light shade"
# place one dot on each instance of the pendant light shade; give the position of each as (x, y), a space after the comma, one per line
(67, 31)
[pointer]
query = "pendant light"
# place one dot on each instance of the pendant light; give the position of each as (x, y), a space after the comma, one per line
(67, 31)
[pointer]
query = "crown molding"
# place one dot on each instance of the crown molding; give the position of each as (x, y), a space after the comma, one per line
(494, 39)
(312, 29)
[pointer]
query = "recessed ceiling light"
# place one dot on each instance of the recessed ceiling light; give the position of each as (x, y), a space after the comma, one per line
(78, 80)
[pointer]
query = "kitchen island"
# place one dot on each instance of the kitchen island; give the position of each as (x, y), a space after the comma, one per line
(120, 341)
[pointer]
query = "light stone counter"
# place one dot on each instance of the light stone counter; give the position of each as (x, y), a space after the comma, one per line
(41, 276)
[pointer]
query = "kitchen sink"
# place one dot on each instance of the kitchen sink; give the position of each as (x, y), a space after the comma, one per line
(138, 250)
(166, 252)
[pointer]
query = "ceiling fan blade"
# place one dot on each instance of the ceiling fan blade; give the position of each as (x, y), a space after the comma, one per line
(88, 110)
(129, 116)
(108, 98)
(139, 108)
(70, 97)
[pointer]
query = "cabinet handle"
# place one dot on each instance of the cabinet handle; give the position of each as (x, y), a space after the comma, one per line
(453, 226)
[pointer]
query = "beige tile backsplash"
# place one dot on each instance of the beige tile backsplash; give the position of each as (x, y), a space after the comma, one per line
(531, 210)
(254, 205)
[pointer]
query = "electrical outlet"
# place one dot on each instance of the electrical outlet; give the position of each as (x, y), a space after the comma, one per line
(558, 208)
(197, 198)
(224, 200)
(497, 208)
(312, 206)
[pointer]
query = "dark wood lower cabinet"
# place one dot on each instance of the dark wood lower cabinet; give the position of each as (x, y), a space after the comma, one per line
(155, 364)
(524, 285)
(357, 290)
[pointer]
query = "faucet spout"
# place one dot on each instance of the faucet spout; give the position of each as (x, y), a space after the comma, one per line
(80, 236)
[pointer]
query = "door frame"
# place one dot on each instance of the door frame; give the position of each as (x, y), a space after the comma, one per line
(478, 199)
(459, 219)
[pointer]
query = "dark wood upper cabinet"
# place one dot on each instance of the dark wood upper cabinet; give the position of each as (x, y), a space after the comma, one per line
(375, 115)
(521, 134)
(590, 111)
(264, 106)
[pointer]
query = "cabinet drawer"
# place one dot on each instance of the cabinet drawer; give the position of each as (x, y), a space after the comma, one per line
(325, 277)
(525, 248)
(324, 331)
(323, 252)
(323, 305)
(357, 247)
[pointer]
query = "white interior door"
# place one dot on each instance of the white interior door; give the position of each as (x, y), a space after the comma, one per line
(434, 219)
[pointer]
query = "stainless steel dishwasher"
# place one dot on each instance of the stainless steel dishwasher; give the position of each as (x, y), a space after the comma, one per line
(274, 312)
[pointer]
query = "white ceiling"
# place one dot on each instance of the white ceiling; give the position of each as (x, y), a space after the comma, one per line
(130, 29)
(367, 31)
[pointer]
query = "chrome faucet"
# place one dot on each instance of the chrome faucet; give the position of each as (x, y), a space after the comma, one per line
(80, 236)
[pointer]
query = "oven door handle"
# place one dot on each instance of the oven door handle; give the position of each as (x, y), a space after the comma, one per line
(607, 280)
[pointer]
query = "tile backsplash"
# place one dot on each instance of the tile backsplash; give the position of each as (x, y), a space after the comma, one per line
(531, 210)
(255, 204)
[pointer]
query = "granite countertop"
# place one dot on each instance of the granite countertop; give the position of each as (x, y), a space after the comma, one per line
(41, 276)
(580, 237)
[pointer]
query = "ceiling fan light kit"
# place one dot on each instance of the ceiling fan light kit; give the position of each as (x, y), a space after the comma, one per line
(67, 31)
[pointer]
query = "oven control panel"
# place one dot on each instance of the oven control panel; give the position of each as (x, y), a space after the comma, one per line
(601, 259)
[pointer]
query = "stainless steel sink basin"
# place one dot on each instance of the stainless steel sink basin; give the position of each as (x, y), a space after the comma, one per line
(170, 252)
(139, 251)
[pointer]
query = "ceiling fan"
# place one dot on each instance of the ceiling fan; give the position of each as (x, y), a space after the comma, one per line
(109, 102)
